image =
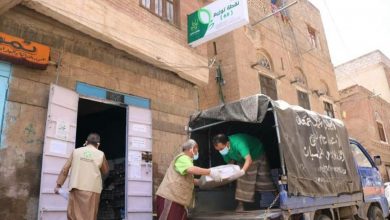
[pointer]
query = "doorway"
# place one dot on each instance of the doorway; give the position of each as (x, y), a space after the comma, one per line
(109, 121)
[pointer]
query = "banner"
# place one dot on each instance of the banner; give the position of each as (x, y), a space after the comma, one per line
(216, 19)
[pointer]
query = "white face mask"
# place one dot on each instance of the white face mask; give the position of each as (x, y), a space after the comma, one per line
(225, 151)
(196, 156)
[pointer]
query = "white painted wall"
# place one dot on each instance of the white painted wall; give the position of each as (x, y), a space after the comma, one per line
(372, 78)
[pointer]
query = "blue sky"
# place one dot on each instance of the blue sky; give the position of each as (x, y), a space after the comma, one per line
(354, 28)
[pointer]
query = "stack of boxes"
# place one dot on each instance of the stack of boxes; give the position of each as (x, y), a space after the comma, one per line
(112, 199)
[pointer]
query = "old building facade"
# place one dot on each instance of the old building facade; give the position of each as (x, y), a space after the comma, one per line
(285, 57)
(118, 56)
(364, 91)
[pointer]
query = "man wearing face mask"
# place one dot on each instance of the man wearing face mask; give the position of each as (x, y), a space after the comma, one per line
(249, 153)
(175, 193)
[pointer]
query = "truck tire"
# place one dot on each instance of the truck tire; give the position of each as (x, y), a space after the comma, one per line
(375, 213)
(323, 217)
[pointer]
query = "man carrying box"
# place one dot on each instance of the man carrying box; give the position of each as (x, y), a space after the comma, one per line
(249, 153)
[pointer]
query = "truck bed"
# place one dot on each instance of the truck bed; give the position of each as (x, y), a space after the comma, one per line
(231, 215)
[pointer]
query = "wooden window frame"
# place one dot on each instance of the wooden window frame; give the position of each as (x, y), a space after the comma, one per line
(329, 111)
(381, 131)
(176, 10)
(303, 105)
(268, 87)
(313, 37)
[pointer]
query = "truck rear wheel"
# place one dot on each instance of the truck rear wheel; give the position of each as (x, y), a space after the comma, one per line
(375, 213)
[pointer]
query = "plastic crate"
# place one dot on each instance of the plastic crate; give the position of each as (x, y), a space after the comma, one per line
(107, 195)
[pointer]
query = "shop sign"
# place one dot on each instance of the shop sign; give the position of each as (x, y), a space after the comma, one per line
(17, 50)
(216, 19)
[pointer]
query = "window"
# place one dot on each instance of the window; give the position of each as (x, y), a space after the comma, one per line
(381, 131)
(303, 100)
(268, 87)
(329, 109)
(359, 156)
(313, 38)
(324, 89)
(264, 61)
(166, 9)
(300, 78)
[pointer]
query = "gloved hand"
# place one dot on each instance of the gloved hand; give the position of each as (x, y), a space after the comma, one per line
(215, 175)
(241, 173)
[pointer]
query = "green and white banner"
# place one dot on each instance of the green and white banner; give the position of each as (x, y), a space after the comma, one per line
(216, 19)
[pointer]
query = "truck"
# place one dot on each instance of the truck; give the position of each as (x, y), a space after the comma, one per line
(319, 172)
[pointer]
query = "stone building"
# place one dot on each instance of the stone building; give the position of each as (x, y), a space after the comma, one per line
(115, 67)
(364, 85)
(285, 57)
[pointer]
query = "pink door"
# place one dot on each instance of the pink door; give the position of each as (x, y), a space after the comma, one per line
(139, 187)
(60, 136)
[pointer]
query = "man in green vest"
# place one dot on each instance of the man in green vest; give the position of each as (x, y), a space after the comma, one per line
(175, 193)
(249, 153)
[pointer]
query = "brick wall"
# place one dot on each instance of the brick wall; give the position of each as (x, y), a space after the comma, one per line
(86, 60)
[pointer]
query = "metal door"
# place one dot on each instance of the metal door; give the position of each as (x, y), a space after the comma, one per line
(5, 71)
(60, 137)
(139, 187)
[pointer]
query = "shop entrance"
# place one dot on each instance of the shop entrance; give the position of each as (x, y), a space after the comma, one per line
(125, 125)
(109, 121)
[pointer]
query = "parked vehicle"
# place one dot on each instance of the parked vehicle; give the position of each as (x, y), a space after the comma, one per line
(387, 191)
(320, 173)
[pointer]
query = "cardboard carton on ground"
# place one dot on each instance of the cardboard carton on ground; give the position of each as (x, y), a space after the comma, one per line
(228, 173)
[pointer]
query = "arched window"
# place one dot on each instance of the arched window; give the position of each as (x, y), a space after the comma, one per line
(266, 75)
(301, 81)
(264, 60)
(300, 78)
(324, 89)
